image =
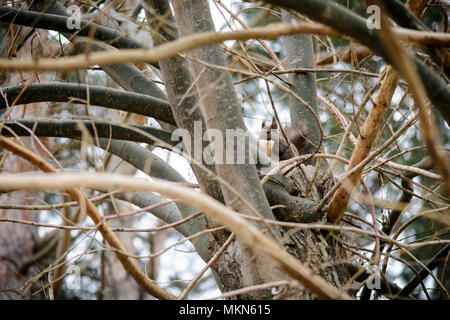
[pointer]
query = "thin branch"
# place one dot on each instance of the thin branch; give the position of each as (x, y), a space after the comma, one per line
(128, 264)
(404, 64)
(206, 267)
(61, 24)
(348, 23)
(187, 43)
(432, 263)
(54, 206)
(75, 129)
(245, 231)
(128, 76)
(366, 140)
(98, 96)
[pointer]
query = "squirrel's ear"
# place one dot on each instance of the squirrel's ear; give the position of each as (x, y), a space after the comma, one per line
(273, 125)
(263, 124)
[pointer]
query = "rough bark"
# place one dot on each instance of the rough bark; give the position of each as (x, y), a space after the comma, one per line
(96, 95)
(181, 91)
(221, 111)
(300, 54)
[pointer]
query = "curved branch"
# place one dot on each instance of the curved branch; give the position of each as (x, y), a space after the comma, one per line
(164, 51)
(294, 208)
(432, 263)
(100, 96)
(74, 129)
(404, 17)
(202, 39)
(136, 155)
(181, 90)
(142, 159)
(130, 266)
(168, 213)
(148, 162)
(223, 215)
(126, 75)
(60, 23)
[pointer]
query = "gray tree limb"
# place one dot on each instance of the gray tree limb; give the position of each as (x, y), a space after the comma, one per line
(300, 54)
(181, 90)
(73, 129)
(126, 75)
(219, 105)
(60, 23)
(100, 96)
(154, 166)
(221, 111)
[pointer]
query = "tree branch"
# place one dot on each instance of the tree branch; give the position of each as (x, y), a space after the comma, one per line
(130, 266)
(126, 75)
(366, 140)
(349, 23)
(300, 54)
(100, 96)
(407, 19)
(432, 263)
(74, 129)
(60, 23)
(182, 92)
(161, 52)
(245, 231)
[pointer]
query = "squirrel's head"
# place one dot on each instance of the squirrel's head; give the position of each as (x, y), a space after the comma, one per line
(266, 129)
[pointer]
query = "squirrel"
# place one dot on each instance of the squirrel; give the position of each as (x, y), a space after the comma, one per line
(275, 145)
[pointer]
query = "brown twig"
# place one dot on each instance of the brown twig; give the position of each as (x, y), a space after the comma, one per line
(219, 213)
(128, 264)
(366, 140)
